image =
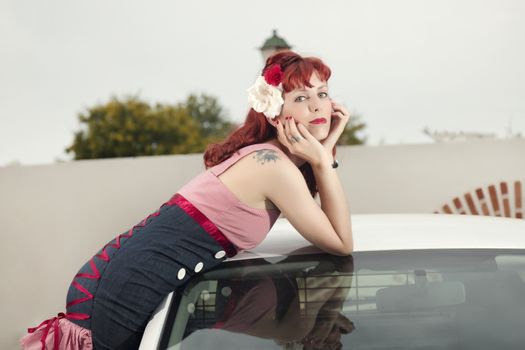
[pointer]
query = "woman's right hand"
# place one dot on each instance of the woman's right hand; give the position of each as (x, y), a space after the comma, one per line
(299, 142)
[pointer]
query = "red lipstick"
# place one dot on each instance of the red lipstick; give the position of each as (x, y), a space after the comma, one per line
(318, 121)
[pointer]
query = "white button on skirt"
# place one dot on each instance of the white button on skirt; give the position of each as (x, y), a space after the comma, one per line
(220, 254)
(181, 274)
(199, 267)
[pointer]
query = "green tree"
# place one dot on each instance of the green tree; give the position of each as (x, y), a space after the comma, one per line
(353, 128)
(210, 117)
(130, 127)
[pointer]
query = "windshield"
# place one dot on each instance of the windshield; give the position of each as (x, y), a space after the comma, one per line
(432, 299)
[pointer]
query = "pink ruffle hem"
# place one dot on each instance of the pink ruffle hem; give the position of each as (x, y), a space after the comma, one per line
(71, 335)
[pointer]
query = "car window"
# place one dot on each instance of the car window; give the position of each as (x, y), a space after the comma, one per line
(464, 299)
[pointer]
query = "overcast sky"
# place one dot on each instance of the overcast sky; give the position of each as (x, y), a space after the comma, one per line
(402, 65)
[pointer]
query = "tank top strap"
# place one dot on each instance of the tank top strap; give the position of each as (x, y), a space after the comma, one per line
(221, 167)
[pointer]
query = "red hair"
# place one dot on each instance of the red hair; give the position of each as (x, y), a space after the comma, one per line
(297, 71)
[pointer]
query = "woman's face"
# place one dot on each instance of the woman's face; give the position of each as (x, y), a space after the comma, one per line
(307, 104)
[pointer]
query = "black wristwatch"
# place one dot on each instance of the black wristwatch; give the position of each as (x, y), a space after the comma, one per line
(335, 164)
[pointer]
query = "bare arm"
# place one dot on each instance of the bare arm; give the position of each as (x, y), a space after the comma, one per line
(327, 225)
(333, 202)
(286, 188)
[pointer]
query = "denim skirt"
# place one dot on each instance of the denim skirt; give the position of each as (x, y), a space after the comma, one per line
(115, 293)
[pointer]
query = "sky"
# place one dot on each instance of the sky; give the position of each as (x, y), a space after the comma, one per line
(402, 66)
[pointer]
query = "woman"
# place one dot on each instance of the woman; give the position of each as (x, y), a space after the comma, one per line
(290, 133)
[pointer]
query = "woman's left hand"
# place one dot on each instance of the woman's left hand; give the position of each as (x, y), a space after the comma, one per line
(340, 117)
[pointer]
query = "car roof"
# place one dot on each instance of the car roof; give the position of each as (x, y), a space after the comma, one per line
(376, 232)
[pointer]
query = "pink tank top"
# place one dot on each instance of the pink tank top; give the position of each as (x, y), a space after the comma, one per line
(243, 225)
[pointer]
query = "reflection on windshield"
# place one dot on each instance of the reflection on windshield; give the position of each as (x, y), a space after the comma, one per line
(292, 303)
(460, 299)
(288, 309)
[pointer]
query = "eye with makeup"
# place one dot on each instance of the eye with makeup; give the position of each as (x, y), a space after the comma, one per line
(302, 97)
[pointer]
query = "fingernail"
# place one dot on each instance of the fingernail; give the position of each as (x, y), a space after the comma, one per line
(277, 122)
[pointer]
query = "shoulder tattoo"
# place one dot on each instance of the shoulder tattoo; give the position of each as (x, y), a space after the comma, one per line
(264, 155)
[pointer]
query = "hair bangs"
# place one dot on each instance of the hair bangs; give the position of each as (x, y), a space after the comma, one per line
(298, 75)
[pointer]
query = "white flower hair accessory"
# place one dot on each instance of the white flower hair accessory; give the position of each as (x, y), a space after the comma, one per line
(265, 95)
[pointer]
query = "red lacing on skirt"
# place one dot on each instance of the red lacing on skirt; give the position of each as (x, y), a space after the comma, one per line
(178, 200)
(104, 257)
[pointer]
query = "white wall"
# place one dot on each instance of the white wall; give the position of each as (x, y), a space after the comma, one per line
(53, 218)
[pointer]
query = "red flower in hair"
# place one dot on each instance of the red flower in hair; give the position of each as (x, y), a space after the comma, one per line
(273, 75)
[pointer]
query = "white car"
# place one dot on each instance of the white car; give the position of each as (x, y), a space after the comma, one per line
(414, 281)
